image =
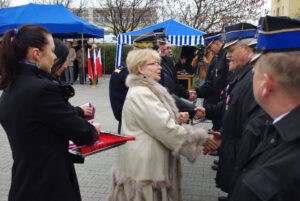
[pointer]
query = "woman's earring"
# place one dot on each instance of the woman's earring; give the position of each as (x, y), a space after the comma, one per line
(38, 65)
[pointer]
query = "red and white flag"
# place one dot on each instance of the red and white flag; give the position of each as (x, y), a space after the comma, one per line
(94, 65)
(99, 64)
(90, 72)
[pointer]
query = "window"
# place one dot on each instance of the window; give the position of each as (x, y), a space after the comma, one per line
(98, 18)
(282, 10)
(84, 14)
(278, 11)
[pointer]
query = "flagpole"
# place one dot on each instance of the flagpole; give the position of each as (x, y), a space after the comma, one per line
(84, 77)
(94, 70)
(103, 58)
(94, 85)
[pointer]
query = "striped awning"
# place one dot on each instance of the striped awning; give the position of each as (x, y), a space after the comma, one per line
(177, 34)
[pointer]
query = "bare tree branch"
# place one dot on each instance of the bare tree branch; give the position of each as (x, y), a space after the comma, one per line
(212, 15)
(4, 3)
(66, 3)
(126, 15)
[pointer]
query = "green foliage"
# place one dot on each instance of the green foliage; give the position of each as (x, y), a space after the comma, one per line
(176, 50)
(108, 55)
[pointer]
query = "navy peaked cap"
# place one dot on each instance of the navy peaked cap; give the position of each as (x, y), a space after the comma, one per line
(277, 34)
(211, 37)
(239, 31)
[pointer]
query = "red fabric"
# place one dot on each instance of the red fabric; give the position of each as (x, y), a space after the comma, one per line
(105, 140)
(90, 66)
(94, 65)
(98, 64)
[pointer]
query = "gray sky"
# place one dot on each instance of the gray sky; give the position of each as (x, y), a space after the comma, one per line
(19, 2)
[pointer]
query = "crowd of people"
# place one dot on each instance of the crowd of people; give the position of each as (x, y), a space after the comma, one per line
(251, 93)
(77, 62)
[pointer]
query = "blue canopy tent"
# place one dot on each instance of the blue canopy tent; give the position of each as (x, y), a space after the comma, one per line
(57, 19)
(177, 34)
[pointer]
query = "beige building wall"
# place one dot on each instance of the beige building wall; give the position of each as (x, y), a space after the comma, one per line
(294, 8)
(289, 8)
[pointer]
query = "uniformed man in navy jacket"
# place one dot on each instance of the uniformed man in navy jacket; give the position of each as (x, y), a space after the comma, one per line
(272, 171)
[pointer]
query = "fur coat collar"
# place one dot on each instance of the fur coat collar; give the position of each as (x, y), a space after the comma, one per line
(160, 91)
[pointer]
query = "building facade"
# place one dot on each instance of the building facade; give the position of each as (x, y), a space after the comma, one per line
(99, 17)
(289, 8)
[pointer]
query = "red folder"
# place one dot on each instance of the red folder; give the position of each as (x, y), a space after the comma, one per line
(106, 141)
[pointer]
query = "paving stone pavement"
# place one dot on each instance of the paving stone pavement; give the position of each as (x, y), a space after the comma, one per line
(95, 174)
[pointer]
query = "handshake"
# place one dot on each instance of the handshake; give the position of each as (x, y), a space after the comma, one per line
(200, 113)
(212, 143)
(184, 116)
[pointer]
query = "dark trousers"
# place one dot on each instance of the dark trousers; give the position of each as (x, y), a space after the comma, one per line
(82, 75)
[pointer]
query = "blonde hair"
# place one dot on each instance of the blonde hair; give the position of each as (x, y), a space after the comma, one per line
(139, 57)
(285, 67)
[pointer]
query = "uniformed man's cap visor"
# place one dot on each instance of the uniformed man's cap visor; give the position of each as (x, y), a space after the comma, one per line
(209, 44)
(253, 43)
(255, 57)
(230, 43)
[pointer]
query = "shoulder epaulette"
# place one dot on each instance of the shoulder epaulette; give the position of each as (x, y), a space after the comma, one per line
(117, 70)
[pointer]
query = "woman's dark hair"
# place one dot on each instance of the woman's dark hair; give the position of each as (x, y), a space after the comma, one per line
(14, 47)
(61, 51)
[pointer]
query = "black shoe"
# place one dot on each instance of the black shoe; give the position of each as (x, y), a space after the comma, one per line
(223, 198)
(215, 153)
(216, 162)
(214, 167)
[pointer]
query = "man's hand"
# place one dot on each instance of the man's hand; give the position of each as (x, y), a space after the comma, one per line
(87, 111)
(217, 138)
(210, 144)
(192, 95)
(183, 117)
(200, 113)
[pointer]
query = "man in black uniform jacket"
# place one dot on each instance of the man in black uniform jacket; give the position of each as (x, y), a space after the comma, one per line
(217, 73)
(239, 103)
(170, 81)
(272, 172)
(117, 92)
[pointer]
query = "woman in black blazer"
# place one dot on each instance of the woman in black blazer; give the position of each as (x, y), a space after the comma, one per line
(62, 51)
(38, 119)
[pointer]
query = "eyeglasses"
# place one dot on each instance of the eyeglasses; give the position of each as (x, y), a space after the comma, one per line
(153, 64)
(232, 49)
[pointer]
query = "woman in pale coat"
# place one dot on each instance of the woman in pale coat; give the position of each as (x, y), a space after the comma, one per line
(148, 168)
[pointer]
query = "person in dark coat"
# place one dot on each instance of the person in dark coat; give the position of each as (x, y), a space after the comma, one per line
(272, 171)
(61, 51)
(251, 138)
(38, 119)
(252, 134)
(117, 92)
(217, 76)
(182, 65)
(236, 109)
(170, 81)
